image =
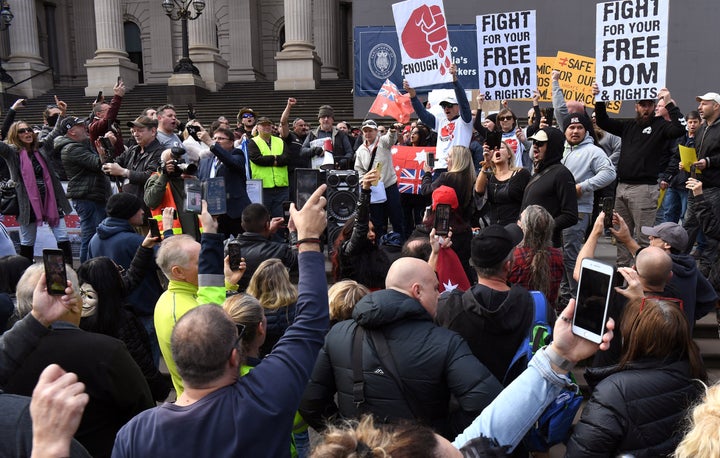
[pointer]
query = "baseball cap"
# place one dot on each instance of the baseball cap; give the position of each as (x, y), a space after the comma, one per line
(70, 122)
(711, 96)
(540, 136)
(671, 233)
(263, 120)
(445, 195)
(449, 100)
(143, 121)
(494, 244)
(370, 124)
(244, 110)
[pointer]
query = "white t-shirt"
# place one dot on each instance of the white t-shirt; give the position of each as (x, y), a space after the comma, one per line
(450, 133)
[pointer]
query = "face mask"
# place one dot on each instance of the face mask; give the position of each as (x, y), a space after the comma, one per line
(89, 298)
(52, 120)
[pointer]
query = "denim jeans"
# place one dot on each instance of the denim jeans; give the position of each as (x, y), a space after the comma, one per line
(91, 214)
(273, 199)
(675, 205)
(573, 239)
(28, 233)
(379, 213)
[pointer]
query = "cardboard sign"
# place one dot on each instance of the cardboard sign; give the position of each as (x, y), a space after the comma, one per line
(577, 75)
(507, 55)
(631, 49)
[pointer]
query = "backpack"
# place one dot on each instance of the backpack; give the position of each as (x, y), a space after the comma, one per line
(554, 424)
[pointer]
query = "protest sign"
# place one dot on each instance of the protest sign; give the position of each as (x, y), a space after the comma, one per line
(631, 49)
(424, 44)
(544, 70)
(507, 55)
(577, 75)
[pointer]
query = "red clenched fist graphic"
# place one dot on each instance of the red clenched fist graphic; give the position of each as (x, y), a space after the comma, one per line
(425, 35)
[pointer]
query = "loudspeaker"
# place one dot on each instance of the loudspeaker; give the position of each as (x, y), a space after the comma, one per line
(342, 195)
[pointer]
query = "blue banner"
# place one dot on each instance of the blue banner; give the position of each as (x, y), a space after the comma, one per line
(377, 57)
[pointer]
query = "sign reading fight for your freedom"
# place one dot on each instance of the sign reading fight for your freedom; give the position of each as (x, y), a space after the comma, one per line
(631, 49)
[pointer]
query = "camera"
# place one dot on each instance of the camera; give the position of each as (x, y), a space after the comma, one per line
(179, 162)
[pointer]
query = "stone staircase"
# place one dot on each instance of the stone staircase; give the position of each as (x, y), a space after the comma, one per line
(260, 96)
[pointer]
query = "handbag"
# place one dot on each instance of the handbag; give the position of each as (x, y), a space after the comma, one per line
(8, 199)
(377, 191)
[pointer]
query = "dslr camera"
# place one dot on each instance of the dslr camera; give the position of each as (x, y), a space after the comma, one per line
(178, 161)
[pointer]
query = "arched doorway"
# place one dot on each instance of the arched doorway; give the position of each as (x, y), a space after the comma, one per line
(133, 46)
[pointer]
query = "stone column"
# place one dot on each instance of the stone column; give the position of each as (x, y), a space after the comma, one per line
(25, 60)
(110, 59)
(327, 17)
(203, 52)
(244, 36)
(298, 66)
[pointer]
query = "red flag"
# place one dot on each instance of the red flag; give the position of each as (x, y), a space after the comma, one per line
(389, 102)
(409, 162)
(451, 274)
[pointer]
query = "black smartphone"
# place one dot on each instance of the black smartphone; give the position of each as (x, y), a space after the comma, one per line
(99, 97)
(154, 228)
(608, 206)
(235, 253)
(430, 159)
(55, 274)
(306, 182)
(191, 111)
(215, 195)
(193, 131)
(119, 79)
(549, 114)
(442, 219)
(593, 299)
(493, 140)
(286, 211)
(693, 171)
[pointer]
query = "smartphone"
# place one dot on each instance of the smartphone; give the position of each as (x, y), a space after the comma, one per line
(549, 114)
(430, 159)
(306, 182)
(378, 166)
(193, 131)
(693, 171)
(442, 219)
(286, 211)
(234, 251)
(154, 228)
(593, 299)
(191, 112)
(99, 97)
(215, 195)
(493, 140)
(119, 79)
(193, 196)
(55, 274)
(608, 206)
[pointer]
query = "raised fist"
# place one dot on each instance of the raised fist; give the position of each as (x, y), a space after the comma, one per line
(425, 35)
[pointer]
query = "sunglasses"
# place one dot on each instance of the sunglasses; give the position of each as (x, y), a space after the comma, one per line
(241, 331)
(248, 115)
(505, 118)
(674, 300)
(539, 143)
(25, 130)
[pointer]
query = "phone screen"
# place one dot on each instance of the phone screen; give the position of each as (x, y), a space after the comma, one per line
(286, 211)
(215, 196)
(493, 140)
(154, 228)
(608, 208)
(193, 196)
(55, 275)
(431, 159)
(442, 219)
(592, 303)
(234, 251)
(306, 182)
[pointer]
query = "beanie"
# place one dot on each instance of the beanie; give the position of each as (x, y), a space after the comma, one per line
(123, 205)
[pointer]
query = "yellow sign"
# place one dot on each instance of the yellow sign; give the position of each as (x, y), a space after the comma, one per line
(688, 156)
(577, 75)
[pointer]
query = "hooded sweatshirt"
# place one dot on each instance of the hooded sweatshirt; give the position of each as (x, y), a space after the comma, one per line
(591, 168)
(693, 288)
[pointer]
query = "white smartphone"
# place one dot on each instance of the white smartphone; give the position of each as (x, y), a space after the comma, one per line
(593, 299)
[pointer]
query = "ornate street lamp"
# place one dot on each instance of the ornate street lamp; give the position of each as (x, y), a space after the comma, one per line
(179, 10)
(6, 18)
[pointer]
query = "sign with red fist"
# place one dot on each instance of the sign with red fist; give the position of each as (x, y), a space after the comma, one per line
(424, 43)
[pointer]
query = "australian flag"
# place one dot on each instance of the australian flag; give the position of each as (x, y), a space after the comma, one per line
(409, 162)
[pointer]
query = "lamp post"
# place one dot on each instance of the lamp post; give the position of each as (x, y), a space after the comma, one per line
(6, 18)
(179, 10)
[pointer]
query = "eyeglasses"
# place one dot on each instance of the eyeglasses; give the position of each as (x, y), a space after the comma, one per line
(248, 115)
(539, 143)
(25, 130)
(51, 106)
(217, 139)
(674, 300)
(240, 330)
(505, 118)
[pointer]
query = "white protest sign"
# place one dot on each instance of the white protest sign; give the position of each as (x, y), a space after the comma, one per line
(507, 55)
(424, 42)
(631, 49)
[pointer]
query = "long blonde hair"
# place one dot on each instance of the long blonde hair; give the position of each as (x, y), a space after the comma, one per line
(511, 157)
(13, 138)
(271, 285)
(703, 435)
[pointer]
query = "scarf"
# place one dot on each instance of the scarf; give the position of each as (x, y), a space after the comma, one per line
(43, 210)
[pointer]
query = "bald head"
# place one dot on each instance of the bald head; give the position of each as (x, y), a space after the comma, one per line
(415, 278)
(654, 266)
(574, 106)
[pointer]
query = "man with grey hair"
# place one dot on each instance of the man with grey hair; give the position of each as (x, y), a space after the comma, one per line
(341, 148)
(230, 415)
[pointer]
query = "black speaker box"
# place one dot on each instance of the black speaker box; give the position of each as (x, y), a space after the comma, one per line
(342, 195)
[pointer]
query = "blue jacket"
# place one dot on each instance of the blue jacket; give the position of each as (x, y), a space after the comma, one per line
(232, 167)
(116, 239)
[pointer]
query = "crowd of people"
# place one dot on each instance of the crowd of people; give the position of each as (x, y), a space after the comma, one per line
(172, 344)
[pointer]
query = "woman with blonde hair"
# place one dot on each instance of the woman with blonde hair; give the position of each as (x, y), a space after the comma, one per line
(503, 184)
(342, 297)
(460, 176)
(537, 265)
(40, 195)
(703, 435)
(637, 406)
(270, 284)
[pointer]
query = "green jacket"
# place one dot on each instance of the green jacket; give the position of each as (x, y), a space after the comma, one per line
(83, 168)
